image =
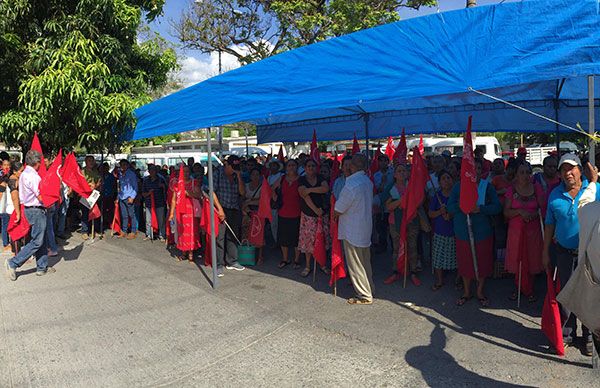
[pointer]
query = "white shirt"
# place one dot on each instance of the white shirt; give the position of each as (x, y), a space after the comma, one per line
(589, 213)
(433, 185)
(355, 205)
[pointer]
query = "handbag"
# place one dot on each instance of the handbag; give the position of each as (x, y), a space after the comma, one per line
(581, 294)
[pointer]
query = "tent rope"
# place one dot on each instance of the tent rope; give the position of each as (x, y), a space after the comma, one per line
(578, 129)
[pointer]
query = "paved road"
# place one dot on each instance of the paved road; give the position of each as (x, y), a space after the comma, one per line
(124, 313)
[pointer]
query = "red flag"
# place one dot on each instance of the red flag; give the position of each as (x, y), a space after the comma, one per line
(375, 162)
(18, 230)
(335, 168)
(280, 154)
(94, 212)
(551, 323)
(320, 252)
(36, 146)
(256, 235)
(72, 176)
(205, 225)
(526, 278)
(116, 224)
(411, 200)
(421, 146)
(153, 218)
(314, 149)
(355, 146)
(401, 152)
(337, 258)
(468, 174)
(389, 149)
(50, 184)
(264, 201)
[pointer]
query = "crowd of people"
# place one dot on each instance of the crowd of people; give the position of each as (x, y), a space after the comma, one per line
(524, 224)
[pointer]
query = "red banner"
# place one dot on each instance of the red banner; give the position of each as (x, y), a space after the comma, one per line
(36, 146)
(153, 218)
(551, 324)
(116, 223)
(401, 152)
(280, 154)
(338, 271)
(468, 174)
(72, 176)
(50, 184)
(355, 146)
(314, 149)
(390, 150)
(18, 230)
(264, 201)
(320, 251)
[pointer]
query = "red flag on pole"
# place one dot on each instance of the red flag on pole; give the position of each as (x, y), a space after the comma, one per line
(50, 184)
(18, 230)
(355, 146)
(205, 225)
(36, 146)
(337, 258)
(401, 152)
(314, 149)
(256, 235)
(551, 323)
(320, 251)
(264, 201)
(390, 150)
(153, 217)
(411, 200)
(375, 162)
(94, 212)
(468, 174)
(280, 154)
(116, 223)
(72, 176)
(421, 146)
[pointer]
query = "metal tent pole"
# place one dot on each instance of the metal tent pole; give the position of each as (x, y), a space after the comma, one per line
(246, 142)
(367, 136)
(559, 86)
(213, 241)
(591, 119)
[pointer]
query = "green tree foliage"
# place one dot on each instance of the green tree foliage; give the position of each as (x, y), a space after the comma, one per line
(74, 70)
(252, 30)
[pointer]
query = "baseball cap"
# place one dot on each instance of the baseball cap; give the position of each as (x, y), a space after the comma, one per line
(571, 159)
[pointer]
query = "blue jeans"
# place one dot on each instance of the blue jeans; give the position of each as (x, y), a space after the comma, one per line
(5, 218)
(37, 245)
(160, 217)
(62, 215)
(50, 238)
(127, 216)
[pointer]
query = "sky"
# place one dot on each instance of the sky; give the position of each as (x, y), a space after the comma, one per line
(196, 66)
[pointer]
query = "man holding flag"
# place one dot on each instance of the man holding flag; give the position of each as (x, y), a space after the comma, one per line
(354, 209)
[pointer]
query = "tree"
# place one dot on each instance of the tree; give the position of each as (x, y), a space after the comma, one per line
(252, 30)
(471, 3)
(74, 70)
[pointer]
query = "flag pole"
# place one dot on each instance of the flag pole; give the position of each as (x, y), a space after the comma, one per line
(519, 288)
(213, 241)
(335, 287)
(314, 268)
(405, 263)
(472, 241)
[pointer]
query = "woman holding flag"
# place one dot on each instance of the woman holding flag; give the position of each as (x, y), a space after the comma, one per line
(522, 207)
(186, 211)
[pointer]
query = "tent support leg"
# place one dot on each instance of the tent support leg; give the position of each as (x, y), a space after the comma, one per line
(591, 119)
(367, 137)
(246, 142)
(213, 241)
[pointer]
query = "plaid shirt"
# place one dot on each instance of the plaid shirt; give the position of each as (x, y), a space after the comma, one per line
(149, 185)
(227, 191)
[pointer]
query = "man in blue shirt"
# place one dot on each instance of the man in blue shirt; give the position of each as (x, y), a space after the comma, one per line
(562, 233)
(340, 181)
(128, 188)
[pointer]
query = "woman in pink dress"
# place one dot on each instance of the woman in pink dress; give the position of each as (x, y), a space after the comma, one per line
(522, 205)
(182, 210)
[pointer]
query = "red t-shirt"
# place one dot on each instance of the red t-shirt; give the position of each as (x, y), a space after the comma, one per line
(290, 198)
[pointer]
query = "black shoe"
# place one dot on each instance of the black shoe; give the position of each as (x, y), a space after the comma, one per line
(568, 340)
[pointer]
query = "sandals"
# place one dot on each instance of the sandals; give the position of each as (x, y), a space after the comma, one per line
(325, 270)
(297, 265)
(305, 272)
(359, 301)
(283, 263)
(462, 300)
(484, 302)
(436, 287)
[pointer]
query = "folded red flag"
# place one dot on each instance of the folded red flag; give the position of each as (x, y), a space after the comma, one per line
(153, 217)
(256, 235)
(264, 201)
(402, 151)
(72, 176)
(50, 183)
(116, 224)
(320, 251)
(36, 146)
(280, 154)
(551, 323)
(355, 146)
(338, 271)
(390, 150)
(18, 230)
(94, 213)
(468, 174)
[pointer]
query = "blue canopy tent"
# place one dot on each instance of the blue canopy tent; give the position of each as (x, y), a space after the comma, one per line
(419, 74)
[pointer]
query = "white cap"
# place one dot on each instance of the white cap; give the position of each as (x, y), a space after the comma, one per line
(571, 159)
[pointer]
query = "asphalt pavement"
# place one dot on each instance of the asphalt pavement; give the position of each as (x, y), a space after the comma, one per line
(124, 313)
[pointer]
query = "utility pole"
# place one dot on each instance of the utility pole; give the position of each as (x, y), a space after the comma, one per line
(220, 129)
(471, 3)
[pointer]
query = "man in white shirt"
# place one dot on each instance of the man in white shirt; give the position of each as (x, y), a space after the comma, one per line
(353, 208)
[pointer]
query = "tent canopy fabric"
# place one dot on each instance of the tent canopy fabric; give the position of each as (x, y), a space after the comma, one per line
(414, 73)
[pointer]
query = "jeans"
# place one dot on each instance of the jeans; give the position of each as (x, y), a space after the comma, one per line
(127, 216)
(62, 216)
(226, 243)
(160, 216)
(50, 238)
(37, 245)
(5, 218)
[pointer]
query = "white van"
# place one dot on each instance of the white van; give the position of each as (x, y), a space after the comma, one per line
(489, 145)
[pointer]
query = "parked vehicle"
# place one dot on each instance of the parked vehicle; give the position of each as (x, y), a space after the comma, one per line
(489, 145)
(537, 152)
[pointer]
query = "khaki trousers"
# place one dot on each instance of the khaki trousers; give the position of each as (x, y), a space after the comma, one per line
(359, 266)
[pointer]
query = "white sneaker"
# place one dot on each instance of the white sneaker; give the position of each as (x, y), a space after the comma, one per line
(11, 272)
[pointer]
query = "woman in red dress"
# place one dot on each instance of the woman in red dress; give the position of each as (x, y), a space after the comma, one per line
(182, 210)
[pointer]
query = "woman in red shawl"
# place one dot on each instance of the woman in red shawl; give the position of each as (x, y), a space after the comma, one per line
(182, 210)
